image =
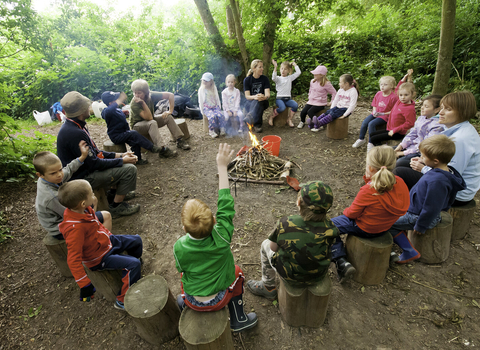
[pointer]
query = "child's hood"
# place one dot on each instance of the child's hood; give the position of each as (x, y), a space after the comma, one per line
(454, 177)
(397, 200)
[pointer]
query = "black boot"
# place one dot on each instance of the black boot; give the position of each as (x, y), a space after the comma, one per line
(180, 302)
(345, 270)
(239, 321)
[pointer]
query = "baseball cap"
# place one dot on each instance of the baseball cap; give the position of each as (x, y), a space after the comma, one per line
(207, 76)
(317, 196)
(320, 70)
(110, 96)
(75, 104)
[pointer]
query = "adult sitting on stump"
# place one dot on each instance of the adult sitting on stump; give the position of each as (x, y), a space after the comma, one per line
(144, 120)
(101, 169)
(257, 93)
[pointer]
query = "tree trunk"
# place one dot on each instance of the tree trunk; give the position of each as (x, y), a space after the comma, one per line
(270, 33)
(230, 22)
(445, 51)
(239, 32)
(211, 27)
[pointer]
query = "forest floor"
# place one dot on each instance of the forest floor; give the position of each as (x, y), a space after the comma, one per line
(417, 306)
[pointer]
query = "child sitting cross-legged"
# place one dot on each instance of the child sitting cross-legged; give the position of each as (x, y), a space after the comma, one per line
(210, 279)
(51, 175)
(433, 193)
(90, 243)
(299, 247)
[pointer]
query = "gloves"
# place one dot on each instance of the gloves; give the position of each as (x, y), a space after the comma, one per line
(87, 293)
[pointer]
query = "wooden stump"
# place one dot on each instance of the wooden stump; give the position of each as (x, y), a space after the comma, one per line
(205, 330)
(102, 203)
(107, 282)
(282, 118)
(154, 309)
(434, 244)
(58, 251)
(182, 124)
(304, 306)
(370, 257)
(461, 219)
(109, 146)
(338, 129)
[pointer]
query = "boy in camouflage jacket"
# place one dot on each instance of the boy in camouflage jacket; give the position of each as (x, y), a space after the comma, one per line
(299, 248)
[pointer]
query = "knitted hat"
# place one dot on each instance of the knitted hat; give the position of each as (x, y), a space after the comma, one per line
(110, 96)
(317, 196)
(75, 104)
(320, 70)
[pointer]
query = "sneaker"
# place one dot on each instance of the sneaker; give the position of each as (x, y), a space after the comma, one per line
(123, 209)
(258, 129)
(213, 134)
(358, 143)
(300, 125)
(394, 258)
(345, 270)
(240, 131)
(119, 305)
(222, 132)
(141, 162)
(156, 149)
(258, 288)
(317, 129)
(167, 153)
(182, 144)
(129, 195)
(369, 146)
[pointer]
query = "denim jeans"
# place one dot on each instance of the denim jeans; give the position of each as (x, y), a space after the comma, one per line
(370, 123)
(284, 102)
(407, 222)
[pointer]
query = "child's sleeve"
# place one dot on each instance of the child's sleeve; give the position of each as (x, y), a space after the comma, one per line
(225, 213)
(217, 98)
(274, 75)
(409, 139)
(236, 102)
(410, 116)
(359, 204)
(331, 90)
(70, 169)
(177, 263)
(274, 235)
(75, 243)
(353, 102)
(398, 86)
(296, 74)
(335, 100)
(224, 100)
(432, 205)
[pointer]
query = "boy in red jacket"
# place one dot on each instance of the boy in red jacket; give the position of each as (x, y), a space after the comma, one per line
(90, 243)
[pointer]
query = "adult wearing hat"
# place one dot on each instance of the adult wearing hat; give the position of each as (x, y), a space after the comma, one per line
(146, 122)
(320, 87)
(101, 169)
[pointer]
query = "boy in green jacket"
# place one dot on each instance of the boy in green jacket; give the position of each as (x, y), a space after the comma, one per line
(210, 278)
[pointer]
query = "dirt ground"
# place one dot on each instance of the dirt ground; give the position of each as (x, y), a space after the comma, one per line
(417, 306)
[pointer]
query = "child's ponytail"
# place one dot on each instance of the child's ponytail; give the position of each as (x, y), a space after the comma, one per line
(383, 160)
(352, 82)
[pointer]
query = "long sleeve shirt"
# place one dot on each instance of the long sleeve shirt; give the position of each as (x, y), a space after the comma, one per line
(346, 99)
(384, 104)
(423, 128)
(231, 100)
(116, 121)
(402, 116)
(284, 84)
(208, 99)
(317, 95)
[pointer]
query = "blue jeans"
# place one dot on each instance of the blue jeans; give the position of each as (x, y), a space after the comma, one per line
(284, 102)
(348, 226)
(408, 221)
(255, 109)
(370, 123)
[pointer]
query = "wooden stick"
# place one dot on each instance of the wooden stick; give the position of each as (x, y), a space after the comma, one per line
(241, 179)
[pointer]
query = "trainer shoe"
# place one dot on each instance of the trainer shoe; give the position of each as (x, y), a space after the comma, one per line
(394, 258)
(317, 129)
(300, 125)
(141, 162)
(182, 144)
(213, 134)
(358, 143)
(167, 153)
(123, 209)
(156, 149)
(258, 288)
(119, 305)
(345, 270)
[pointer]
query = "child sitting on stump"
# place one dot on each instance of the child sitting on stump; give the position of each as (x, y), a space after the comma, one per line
(90, 243)
(210, 278)
(433, 193)
(299, 247)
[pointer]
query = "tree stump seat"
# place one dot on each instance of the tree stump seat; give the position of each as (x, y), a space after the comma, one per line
(107, 282)
(205, 330)
(462, 216)
(102, 201)
(434, 244)
(370, 257)
(109, 146)
(182, 124)
(58, 251)
(154, 309)
(304, 306)
(282, 118)
(338, 129)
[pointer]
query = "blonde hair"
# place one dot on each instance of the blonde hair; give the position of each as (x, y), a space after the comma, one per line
(197, 218)
(288, 65)
(409, 87)
(323, 80)
(307, 214)
(439, 147)
(389, 80)
(462, 103)
(230, 76)
(141, 85)
(42, 160)
(72, 193)
(253, 65)
(383, 160)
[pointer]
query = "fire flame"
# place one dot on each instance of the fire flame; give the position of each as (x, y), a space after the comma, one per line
(254, 139)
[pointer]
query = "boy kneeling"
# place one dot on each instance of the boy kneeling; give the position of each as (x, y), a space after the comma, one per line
(89, 242)
(299, 248)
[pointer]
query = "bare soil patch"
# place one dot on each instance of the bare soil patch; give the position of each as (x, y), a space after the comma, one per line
(417, 306)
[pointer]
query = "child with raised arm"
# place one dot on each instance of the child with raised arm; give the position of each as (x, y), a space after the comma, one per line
(426, 125)
(434, 192)
(91, 243)
(402, 116)
(284, 90)
(342, 106)
(320, 87)
(210, 280)
(231, 103)
(299, 247)
(377, 206)
(51, 176)
(382, 104)
(210, 106)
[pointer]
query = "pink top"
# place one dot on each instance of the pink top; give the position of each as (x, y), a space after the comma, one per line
(384, 103)
(317, 95)
(346, 99)
(231, 100)
(402, 117)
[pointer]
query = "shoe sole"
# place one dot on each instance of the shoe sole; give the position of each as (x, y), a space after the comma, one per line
(251, 325)
(258, 294)
(348, 275)
(418, 256)
(118, 307)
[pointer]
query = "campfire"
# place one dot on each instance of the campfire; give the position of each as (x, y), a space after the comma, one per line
(256, 164)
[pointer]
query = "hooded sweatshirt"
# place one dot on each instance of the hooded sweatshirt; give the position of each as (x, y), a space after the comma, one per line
(87, 242)
(376, 213)
(433, 193)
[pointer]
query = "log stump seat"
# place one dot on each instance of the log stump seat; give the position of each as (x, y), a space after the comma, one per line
(338, 129)
(462, 216)
(107, 282)
(58, 251)
(109, 146)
